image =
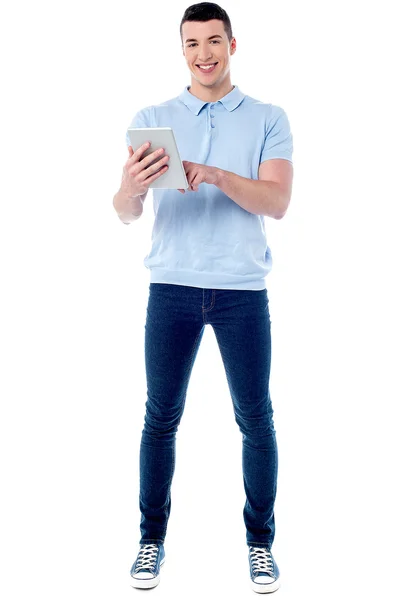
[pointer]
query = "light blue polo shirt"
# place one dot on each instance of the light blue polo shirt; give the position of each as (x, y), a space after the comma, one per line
(205, 239)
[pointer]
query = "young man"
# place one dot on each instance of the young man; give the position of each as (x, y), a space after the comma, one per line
(208, 261)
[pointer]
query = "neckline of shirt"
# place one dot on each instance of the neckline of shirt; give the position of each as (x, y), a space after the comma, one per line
(230, 101)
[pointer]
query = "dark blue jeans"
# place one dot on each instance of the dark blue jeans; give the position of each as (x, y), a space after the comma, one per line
(176, 319)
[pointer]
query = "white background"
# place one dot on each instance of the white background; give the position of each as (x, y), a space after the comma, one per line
(74, 295)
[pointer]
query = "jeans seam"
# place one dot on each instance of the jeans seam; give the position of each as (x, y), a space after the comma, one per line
(212, 302)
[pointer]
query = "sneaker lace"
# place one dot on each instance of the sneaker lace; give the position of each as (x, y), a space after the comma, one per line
(261, 559)
(146, 557)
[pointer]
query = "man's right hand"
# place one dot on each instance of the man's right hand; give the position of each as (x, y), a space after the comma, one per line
(137, 174)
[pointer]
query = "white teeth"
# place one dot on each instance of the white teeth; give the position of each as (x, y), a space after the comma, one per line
(206, 68)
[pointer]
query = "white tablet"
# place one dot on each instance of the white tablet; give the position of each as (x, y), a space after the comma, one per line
(161, 137)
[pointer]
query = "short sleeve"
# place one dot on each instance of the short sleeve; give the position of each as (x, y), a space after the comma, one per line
(140, 119)
(278, 138)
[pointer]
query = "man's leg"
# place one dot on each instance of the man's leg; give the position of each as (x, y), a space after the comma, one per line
(241, 321)
(173, 332)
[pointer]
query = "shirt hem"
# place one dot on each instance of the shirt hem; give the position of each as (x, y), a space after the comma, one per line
(207, 280)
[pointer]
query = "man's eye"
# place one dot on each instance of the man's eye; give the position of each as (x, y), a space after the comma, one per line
(194, 44)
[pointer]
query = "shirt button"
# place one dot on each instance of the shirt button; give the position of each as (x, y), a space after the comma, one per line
(212, 116)
(213, 126)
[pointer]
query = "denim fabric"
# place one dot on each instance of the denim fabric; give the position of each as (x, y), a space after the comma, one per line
(175, 323)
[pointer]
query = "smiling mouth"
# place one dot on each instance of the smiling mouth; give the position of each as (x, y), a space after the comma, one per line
(208, 69)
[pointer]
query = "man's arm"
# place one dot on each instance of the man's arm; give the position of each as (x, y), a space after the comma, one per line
(269, 195)
(128, 209)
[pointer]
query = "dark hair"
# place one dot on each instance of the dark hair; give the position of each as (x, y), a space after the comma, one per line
(205, 11)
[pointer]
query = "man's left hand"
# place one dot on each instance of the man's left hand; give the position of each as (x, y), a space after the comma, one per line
(197, 174)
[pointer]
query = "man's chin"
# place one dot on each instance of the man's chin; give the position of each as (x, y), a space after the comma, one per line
(206, 83)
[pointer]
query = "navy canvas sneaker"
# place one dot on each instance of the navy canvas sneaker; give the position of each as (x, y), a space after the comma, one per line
(145, 569)
(263, 569)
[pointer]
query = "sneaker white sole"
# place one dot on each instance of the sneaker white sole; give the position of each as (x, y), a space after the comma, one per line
(265, 588)
(145, 584)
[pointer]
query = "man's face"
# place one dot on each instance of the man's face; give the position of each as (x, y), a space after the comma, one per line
(199, 49)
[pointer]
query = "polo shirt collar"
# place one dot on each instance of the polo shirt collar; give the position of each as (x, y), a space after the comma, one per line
(230, 101)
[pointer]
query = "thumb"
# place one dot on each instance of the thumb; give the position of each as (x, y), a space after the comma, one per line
(130, 151)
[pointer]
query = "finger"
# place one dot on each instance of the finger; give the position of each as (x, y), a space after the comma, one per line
(146, 176)
(145, 171)
(143, 167)
(155, 158)
(130, 150)
(149, 180)
(195, 182)
(138, 153)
